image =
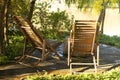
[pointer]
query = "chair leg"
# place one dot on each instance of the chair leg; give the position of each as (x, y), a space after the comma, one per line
(24, 49)
(69, 60)
(70, 68)
(43, 51)
(94, 63)
(68, 52)
(98, 55)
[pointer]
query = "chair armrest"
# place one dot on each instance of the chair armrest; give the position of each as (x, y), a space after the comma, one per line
(68, 61)
(71, 34)
(98, 38)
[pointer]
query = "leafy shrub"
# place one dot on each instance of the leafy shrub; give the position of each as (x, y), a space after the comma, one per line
(14, 48)
(110, 75)
(3, 59)
(51, 23)
(59, 35)
(110, 40)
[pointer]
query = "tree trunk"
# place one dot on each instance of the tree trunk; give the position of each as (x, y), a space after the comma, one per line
(1, 26)
(6, 24)
(1, 34)
(31, 10)
(119, 5)
(101, 18)
(2, 19)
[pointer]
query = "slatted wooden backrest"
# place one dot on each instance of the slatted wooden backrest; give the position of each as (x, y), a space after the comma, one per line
(84, 32)
(28, 31)
(32, 34)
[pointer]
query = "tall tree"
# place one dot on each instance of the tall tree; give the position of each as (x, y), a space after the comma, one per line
(22, 8)
(119, 4)
(101, 17)
(99, 5)
(2, 20)
(6, 23)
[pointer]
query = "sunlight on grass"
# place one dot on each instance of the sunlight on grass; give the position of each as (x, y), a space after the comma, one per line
(109, 75)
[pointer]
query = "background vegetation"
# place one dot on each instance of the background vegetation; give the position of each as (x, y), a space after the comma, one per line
(110, 40)
(51, 24)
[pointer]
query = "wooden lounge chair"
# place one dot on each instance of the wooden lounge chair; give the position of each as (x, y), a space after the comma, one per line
(36, 39)
(82, 43)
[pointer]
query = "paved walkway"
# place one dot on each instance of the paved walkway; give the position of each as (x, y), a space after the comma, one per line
(109, 58)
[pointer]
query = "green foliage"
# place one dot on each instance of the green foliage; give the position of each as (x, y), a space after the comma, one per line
(51, 23)
(41, 15)
(97, 5)
(81, 4)
(68, 2)
(58, 23)
(60, 35)
(110, 40)
(113, 3)
(110, 75)
(15, 47)
(20, 7)
(3, 59)
(59, 20)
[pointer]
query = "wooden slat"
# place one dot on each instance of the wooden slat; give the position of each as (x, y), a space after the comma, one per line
(82, 63)
(87, 25)
(83, 35)
(33, 57)
(85, 20)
